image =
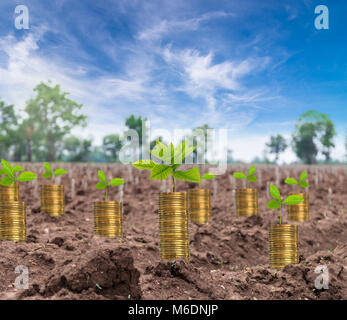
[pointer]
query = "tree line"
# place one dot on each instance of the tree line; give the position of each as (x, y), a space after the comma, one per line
(42, 132)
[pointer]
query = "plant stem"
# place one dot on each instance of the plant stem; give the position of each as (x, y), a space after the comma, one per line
(173, 183)
(247, 183)
(14, 190)
(281, 214)
(106, 191)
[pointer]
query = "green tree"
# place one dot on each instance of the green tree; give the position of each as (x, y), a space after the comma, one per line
(277, 145)
(111, 145)
(8, 128)
(76, 150)
(313, 129)
(51, 116)
(135, 123)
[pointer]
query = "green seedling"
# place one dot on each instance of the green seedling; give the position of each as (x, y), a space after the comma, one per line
(172, 157)
(103, 184)
(278, 202)
(49, 174)
(251, 177)
(302, 183)
(193, 175)
(10, 176)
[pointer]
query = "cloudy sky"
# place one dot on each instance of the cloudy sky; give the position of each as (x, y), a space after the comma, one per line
(252, 67)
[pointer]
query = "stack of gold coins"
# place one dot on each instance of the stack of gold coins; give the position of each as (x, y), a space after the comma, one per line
(283, 239)
(199, 205)
(108, 219)
(10, 193)
(246, 202)
(12, 221)
(52, 199)
(173, 226)
(299, 212)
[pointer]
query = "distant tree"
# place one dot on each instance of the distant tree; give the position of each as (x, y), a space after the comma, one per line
(76, 150)
(135, 123)
(8, 128)
(111, 145)
(277, 145)
(230, 156)
(205, 128)
(313, 128)
(51, 117)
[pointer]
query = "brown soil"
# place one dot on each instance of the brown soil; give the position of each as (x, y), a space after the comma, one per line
(228, 255)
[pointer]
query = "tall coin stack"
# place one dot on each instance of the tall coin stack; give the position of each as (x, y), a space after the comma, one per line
(108, 219)
(283, 239)
(173, 226)
(12, 214)
(299, 212)
(199, 205)
(52, 199)
(246, 202)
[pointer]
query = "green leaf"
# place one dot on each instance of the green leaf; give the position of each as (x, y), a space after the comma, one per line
(252, 178)
(102, 176)
(251, 171)
(239, 175)
(303, 176)
(290, 181)
(59, 172)
(192, 175)
(303, 184)
(182, 151)
(275, 192)
(47, 175)
(17, 169)
(100, 186)
(47, 167)
(27, 176)
(273, 204)
(160, 172)
(293, 199)
(2, 172)
(7, 168)
(208, 176)
(6, 181)
(116, 182)
(144, 164)
(162, 152)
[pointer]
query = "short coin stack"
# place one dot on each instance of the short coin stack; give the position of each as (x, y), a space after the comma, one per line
(108, 219)
(299, 212)
(173, 226)
(12, 220)
(283, 239)
(52, 199)
(246, 202)
(9, 193)
(199, 205)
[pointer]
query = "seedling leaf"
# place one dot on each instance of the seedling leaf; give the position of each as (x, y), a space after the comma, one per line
(7, 168)
(144, 164)
(208, 176)
(182, 151)
(273, 204)
(2, 172)
(100, 186)
(6, 181)
(160, 172)
(293, 199)
(47, 175)
(116, 182)
(162, 152)
(27, 176)
(303, 176)
(252, 179)
(102, 176)
(290, 181)
(275, 192)
(251, 171)
(239, 175)
(47, 166)
(59, 172)
(303, 184)
(17, 169)
(192, 175)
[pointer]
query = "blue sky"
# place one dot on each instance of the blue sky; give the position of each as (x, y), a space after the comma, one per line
(250, 66)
